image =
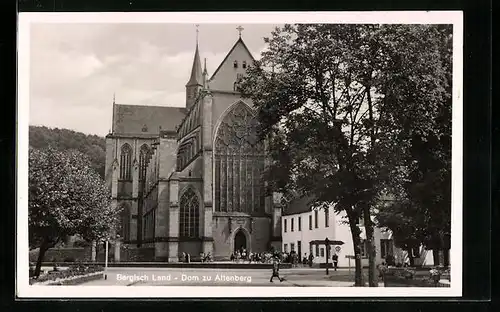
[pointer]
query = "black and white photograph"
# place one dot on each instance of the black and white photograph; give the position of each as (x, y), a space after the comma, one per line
(240, 154)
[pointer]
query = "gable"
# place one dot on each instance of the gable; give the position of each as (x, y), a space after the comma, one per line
(226, 74)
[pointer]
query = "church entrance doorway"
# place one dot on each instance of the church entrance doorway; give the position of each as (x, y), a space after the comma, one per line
(240, 241)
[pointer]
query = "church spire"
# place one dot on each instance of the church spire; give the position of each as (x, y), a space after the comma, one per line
(196, 73)
(205, 75)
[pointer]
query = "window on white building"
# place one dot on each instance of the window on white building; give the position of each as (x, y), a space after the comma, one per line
(310, 222)
(363, 248)
(386, 248)
(285, 247)
(316, 219)
(284, 225)
(292, 247)
(291, 224)
(327, 217)
(322, 252)
(317, 250)
(300, 224)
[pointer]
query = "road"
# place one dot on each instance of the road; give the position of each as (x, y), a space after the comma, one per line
(301, 277)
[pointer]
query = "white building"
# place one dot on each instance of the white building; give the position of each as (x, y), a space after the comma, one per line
(302, 226)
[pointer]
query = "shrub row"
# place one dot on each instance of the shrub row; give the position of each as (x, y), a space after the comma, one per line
(73, 270)
(76, 280)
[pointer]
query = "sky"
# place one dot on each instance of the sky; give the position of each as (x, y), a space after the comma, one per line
(76, 69)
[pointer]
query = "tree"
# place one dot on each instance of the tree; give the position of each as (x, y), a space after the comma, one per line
(423, 179)
(335, 105)
(66, 197)
(64, 140)
(404, 222)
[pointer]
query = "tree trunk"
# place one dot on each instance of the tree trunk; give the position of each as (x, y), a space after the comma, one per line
(46, 245)
(41, 253)
(410, 257)
(97, 251)
(435, 256)
(358, 275)
(372, 267)
(446, 258)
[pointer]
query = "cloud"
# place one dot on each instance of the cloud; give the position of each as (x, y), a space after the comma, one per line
(76, 68)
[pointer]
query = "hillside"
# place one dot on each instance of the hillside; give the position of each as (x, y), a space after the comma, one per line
(63, 139)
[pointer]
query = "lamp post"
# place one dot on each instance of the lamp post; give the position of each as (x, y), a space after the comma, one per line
(106, 260)
(327, 245)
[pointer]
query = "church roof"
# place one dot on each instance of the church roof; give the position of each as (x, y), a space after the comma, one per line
(196, 72)
(239, 41)
(141, 119)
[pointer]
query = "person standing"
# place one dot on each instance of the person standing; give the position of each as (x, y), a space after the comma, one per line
(276, 270)
(335, 260)
(311, 257)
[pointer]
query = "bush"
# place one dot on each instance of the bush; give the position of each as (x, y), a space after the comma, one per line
(81, 244)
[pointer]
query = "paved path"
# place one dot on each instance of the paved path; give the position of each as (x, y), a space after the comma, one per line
(300, 277)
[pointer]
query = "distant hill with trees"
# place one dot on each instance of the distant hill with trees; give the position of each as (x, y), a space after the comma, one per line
(93, 146)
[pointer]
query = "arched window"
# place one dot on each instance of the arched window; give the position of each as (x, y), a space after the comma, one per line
(239, 163)
(126, 162)
(143, 161)
(189, 215)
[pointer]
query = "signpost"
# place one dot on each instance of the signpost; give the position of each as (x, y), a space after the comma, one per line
(327, 245)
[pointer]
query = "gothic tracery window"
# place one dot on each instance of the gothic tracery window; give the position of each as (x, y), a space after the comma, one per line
(189, 214)
(126, 162)
(143, 161)
(239, 163)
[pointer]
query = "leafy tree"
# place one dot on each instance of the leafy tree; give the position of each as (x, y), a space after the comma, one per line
(66, 197)
(336, 105)
(424, 183)
(403, 221)
(63, 139)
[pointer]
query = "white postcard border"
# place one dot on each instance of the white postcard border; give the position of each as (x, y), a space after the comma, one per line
(24, 290)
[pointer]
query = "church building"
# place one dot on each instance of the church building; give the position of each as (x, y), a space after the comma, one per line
(190, 179)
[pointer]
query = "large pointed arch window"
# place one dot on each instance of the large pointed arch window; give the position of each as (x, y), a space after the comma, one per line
(143, 161)
(189, 214)
(126, 162)
(239, 163)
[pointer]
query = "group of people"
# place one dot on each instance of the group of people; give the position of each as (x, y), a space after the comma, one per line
(186, 257)
(292, 258)
(242, 255)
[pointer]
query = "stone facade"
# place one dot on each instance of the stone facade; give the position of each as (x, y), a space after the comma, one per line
(190, 180)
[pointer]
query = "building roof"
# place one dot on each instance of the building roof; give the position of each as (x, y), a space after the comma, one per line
(141, 119)
(299, 205)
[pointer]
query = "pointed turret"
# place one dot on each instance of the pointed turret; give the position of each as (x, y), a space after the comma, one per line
(205, 76)
(196, 73)
(195, 82)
